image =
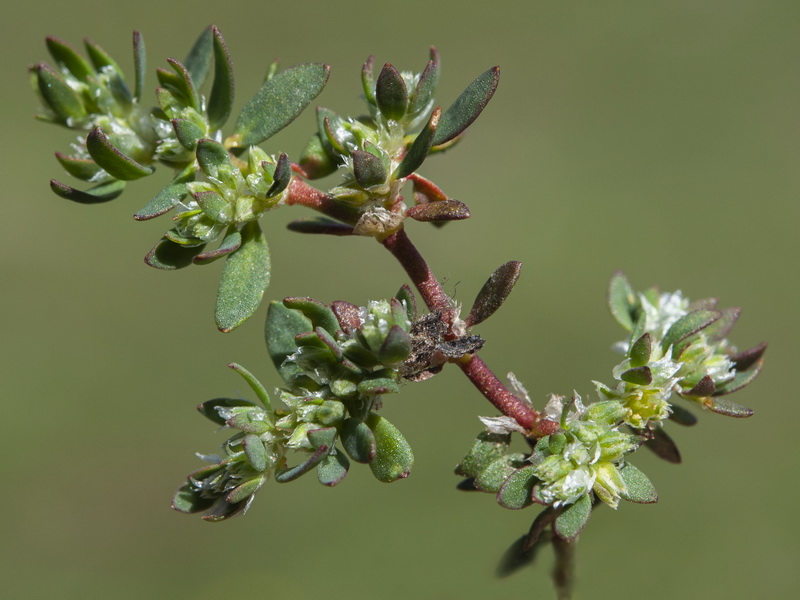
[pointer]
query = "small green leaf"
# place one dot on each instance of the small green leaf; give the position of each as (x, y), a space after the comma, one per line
(621, 300)
(396, 347)
(230, 243)
(96, 195)
(368, 169)
(333, 468)
(245, 490)
(182, 84)
(572, 520)
(391, 95)
(244, 279)
(721, 328)
(99, 57)
(293, 473)
(682, 330)
(279, 101)
(211, 155)
(188, 500)
(315, 160)
(198, 60)
(256, 452)
(639, 487)
(209, 408)
(325, 436)
(166, 199)
(494, 292)
(723, 406)
(419, 149)
(139, 65)
(393, 458)
(492, 477)
(467, 106)
(66, 56)
(187, 132)
(515, 493)
(82, 168)
(318, 312)
(116, 163)
(426, 85)
(59, 96)
(638, 376)
(220, 102)
(168, 256)
(488, 447)
(282, 326)
(254, 384)
(405, 295)
(358, 440)
(640, 351)
(378, 386)
(368, 79)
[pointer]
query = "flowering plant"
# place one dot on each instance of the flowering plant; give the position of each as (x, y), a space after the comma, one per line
(339, 361)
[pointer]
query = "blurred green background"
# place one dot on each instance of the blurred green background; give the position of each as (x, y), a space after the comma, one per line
(660, 138)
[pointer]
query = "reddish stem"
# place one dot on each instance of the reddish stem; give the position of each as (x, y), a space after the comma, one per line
(300, 192)
(435, 298)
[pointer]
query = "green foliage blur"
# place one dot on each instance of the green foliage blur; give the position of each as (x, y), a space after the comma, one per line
(659, 138)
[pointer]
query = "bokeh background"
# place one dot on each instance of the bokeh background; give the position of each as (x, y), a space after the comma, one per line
(660, 138)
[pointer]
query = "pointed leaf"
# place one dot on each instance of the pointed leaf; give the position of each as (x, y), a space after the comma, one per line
(391, 94)
(686, 327)
(112, 160)
(744, 360)
(244, 279)
(183, 84)
(246, 489)
(681, 416)
(494, 292)
(96, 195)
(704, 387)
(426, 191)
(279, 101)
(721, 328)
(393, 458)
(188, 500)
(230, 243)
(225, 510)
(638, 376)
(166, 199)
(198, 60)
(254, 384)
(282, 176)
(188, 133)
(67, 57)
(211, 155)
(426, 85)
(621, 300)
(220, 102)
(396, 347)
(368, 169)
(333, 468)
(168, 256)
(318, 312)
(640, 351)
(419, 149)
(467, 106)
(406, 297)
(293, 473)
(515, 493)
(368, 80)
(358, 440)
(59, 96)
(639, 487)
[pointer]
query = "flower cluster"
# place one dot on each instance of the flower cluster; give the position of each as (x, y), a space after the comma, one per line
(337, 362)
